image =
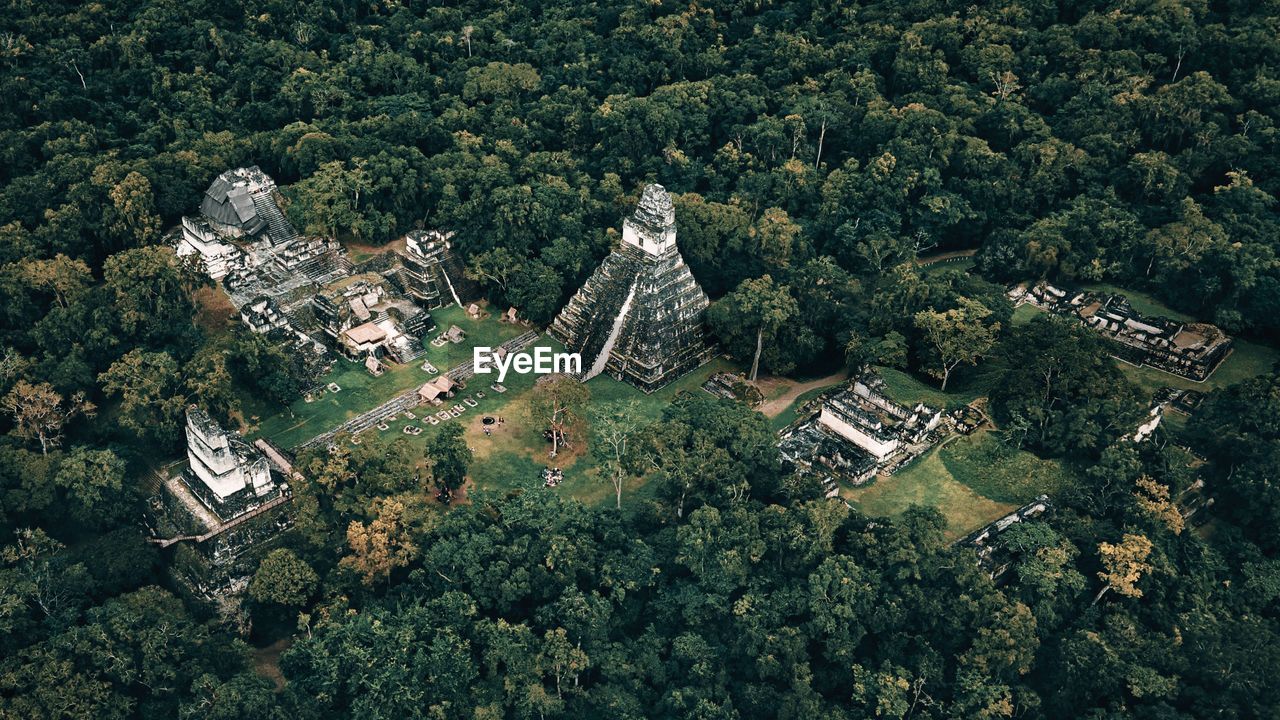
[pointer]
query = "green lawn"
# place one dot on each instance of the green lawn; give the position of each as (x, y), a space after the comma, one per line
(1142, 302)
(971, 480)
(303, 420)
(605, 389)
(994, 470)
(513, 455)
(362, 392)
(1024, 313)
(967, 384)
(928, 482)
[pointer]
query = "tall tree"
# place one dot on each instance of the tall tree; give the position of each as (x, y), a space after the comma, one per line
(959, 335)
(94, 481)
(1123, 565)
(283, 578)
(1056, 379)
(613, 428)
(381, 545)
(559, 401)
(152, 293)
(449, 457)
(152, 401)
(40, 413)
(757, 309)
(65, 278)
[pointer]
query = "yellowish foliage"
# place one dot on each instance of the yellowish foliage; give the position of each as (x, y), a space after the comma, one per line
(1125, 564)
(1153, 499)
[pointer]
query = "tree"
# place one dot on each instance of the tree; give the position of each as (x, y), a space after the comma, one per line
(40, 413)
(1057, 378)
(861, 352)
(959, 335)
(1152, 498)
(559, 400)
(329, 202)
(246, 694)
(708, 450)
(498, 79)
(412, 660)
(283, 578)
(35, 569)
(151, 400)
(614, 427)
(152, 293)
(66, 278)
(776, 237)
(493, 267)
(266, 368)
(449, 457)
(757, 308)
(1182, 243)
(535, 289)
(208, 383)
(132, 215)
(714, 241)
(94, 483)
(381, 545)
(1124, 565)
(562, 660)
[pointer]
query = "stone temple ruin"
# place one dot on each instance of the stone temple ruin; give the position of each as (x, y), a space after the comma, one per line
(242, 238)
(991, 556)
(304, 291)
(230, 497)
(858, 432)
(1189, 350)
(431, 274)
(229, 476)
(639, 317)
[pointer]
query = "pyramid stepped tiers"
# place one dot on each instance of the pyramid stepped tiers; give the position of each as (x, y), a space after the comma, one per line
(639, 317)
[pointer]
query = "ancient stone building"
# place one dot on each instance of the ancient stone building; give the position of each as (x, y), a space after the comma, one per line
(218, 255)
(431, 274)
(860, 431)
(220, 512)
(240, 227)
(262, 315)
(227, 474)
(1188, 349)
(639, 317)
(242, 202)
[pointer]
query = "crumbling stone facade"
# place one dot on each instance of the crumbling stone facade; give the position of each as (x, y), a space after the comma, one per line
(860, 431)
(1187, 349)
(640, 316)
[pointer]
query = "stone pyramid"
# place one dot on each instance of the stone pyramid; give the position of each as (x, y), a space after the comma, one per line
(639, 317)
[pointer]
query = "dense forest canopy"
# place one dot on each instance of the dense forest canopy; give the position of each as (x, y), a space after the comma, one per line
(813, 149)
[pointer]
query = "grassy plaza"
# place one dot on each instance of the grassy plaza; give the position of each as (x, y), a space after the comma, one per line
(971, 480)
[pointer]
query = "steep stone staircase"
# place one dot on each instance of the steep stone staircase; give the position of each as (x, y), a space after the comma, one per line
(281, 231)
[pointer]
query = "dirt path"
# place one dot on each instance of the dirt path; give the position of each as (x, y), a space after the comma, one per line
(266, 661)
(774, 407)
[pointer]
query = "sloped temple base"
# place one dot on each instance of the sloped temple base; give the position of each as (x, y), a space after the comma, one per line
(639, 317)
